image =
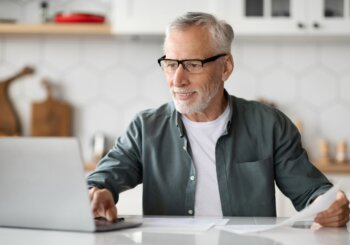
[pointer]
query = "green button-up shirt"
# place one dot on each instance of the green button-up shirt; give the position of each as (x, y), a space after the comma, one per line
(260, 147)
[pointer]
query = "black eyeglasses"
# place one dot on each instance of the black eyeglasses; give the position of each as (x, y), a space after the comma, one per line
(190, 65)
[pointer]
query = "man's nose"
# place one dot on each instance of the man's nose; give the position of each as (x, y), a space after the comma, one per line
(180, 76)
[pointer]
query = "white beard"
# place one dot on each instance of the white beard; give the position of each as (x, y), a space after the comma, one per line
(197, 106)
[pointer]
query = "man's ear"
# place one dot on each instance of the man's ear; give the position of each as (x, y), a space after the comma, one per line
(228, 67)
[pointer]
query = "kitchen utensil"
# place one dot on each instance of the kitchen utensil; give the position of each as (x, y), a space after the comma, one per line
(79, 18)
(9, 121)
(51, 117)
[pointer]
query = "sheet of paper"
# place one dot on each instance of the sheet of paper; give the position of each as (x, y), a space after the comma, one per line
(241, 229)
(309, 213)
(181, 224)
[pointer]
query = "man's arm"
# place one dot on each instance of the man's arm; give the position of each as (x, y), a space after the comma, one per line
(119, 170)
(295, 175)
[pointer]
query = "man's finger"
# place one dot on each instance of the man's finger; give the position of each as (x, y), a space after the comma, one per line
(92, 192)
(334, 223)
(330, 219)
(111, 214)
(331, 212)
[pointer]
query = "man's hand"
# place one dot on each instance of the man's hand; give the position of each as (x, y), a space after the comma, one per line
(102, 204)
(337, 214)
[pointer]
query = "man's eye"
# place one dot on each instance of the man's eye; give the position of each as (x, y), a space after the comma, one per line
(171, 65)
(193, 65)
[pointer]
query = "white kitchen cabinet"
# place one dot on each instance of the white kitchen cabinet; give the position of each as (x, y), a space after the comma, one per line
(152, 16)
(248, 17)
(268, 17)
(290, 17)
(329, 17)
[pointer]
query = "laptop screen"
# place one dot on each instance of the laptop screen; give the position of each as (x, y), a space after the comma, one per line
(42, 184)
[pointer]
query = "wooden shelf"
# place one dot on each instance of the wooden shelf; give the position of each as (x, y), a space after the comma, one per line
(333, 167)
(56, 29)
(336, 169)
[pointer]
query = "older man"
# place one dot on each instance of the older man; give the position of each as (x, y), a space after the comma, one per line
(208, 152)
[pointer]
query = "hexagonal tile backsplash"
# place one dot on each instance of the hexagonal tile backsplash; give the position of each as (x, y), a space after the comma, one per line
(108, 80)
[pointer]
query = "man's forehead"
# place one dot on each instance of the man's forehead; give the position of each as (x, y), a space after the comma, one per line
(188, 43)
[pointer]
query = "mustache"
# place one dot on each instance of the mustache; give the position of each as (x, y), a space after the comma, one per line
(182, 91)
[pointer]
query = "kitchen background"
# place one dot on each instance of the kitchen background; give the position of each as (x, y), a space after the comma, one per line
(107, 79)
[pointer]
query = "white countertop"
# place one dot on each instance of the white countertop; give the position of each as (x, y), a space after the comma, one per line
(141, 235)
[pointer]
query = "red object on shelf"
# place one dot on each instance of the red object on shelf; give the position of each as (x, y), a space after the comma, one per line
(79, 18)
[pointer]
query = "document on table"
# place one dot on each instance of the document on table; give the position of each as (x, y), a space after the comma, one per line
(178, 224)
(307, 214)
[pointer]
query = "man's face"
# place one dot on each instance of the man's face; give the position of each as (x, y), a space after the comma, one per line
(194, 92)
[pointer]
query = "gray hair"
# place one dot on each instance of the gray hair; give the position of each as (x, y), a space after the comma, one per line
(221, 32)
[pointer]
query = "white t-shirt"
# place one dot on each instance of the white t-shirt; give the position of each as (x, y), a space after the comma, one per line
(203, 137)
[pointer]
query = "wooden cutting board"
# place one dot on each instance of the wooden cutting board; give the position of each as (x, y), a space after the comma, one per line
(9, 121)
(51, 117)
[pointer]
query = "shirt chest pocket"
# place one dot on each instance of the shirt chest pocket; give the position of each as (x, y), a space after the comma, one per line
(255, 183)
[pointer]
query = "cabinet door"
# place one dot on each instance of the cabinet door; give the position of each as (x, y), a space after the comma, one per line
(269, 17)
(331, 17)
(152, 16)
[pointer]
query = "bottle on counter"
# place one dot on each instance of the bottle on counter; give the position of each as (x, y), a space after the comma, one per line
(324, 149)
(44, 5)
(341, 152)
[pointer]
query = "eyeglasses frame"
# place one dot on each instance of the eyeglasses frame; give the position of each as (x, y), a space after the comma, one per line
(203, 61)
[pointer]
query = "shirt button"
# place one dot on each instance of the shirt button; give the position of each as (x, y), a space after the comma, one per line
(190, 211)
(191, 177)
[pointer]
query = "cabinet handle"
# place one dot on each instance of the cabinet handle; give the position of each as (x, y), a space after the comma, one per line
(316, 25)
(301, 25)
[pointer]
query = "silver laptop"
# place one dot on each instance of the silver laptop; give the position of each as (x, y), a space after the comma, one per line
(43, 186)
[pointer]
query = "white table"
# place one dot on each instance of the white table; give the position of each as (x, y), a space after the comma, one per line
(284, 235)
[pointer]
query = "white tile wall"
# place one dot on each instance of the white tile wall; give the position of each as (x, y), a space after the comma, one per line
(109, 79)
